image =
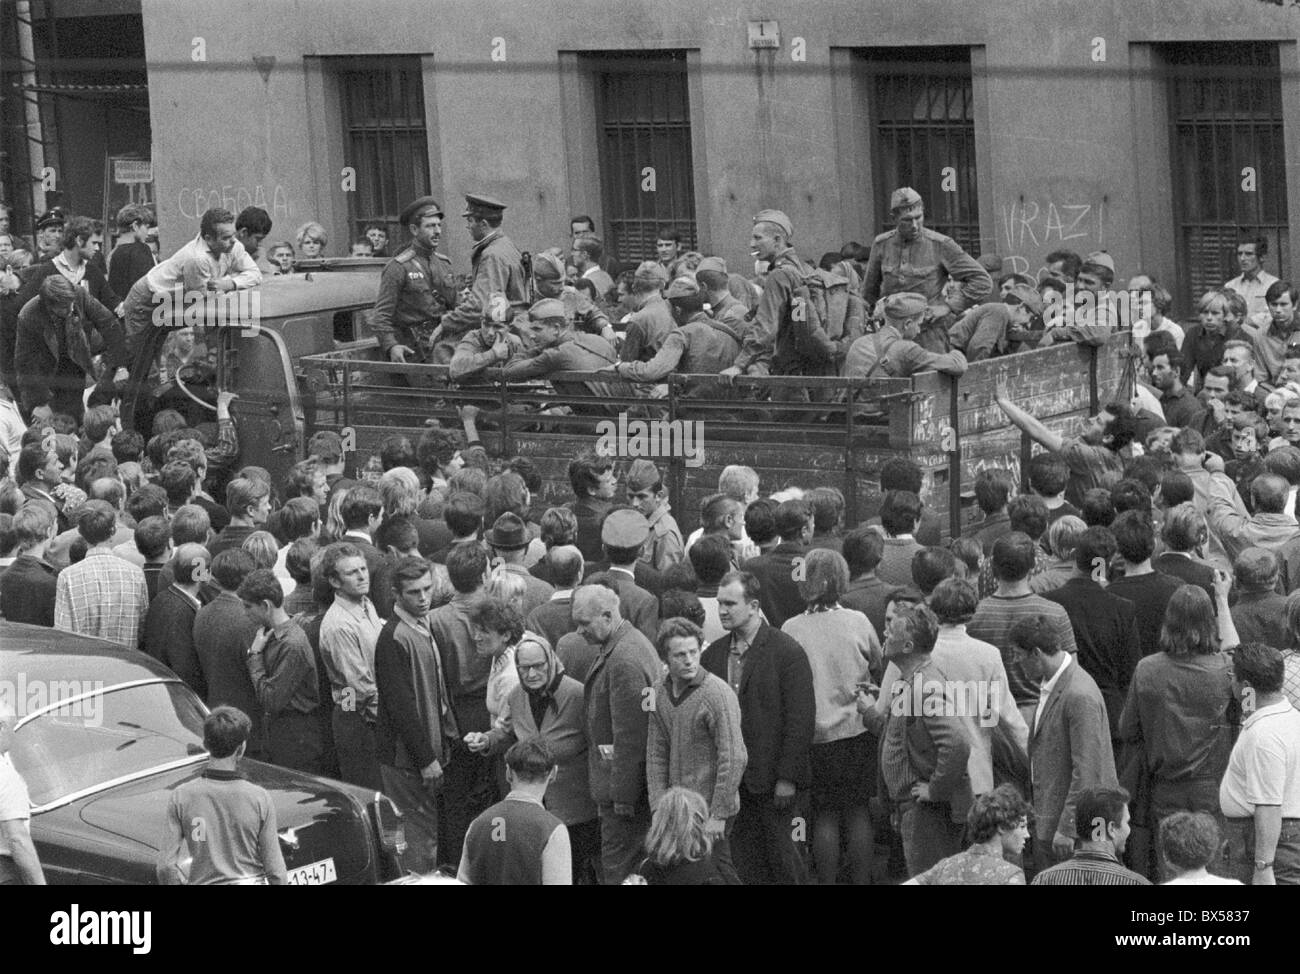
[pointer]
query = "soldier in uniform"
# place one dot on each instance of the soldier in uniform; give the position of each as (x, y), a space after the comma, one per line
(781, 342)
(548, 280)
(914, 258)
(699, 345)
(892, 351)
(498, 268)
(49, 234)
(415, 289)
(558, 347)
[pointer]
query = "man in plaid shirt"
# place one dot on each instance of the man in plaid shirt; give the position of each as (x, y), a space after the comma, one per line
(101, 595)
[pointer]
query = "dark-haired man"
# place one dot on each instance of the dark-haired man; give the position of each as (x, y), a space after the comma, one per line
(416, 289)
(1094, 456)
(1147, 589)
(777, 570)
(223, 634)
(102, 595)
(225, 823)
(1102, 830)
(773, 680)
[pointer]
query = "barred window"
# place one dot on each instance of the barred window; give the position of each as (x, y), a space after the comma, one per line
(1226, 118)
(644, 119)
(385, 140)
(924, 126)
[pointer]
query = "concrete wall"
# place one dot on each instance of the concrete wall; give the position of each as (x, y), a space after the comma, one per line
(1072, 152)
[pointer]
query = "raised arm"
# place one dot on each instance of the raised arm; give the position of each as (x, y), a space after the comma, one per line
(1029, 424)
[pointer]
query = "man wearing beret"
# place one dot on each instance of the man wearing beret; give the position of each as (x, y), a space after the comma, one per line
(698, 346)
(780, 342)
(892, 351)
(912, 257)
(498, 269)
(998, 327)
(415, 290)
(557, 347)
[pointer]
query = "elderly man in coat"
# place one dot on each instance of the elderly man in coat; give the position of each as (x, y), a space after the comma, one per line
(59, 333)
(626, 667)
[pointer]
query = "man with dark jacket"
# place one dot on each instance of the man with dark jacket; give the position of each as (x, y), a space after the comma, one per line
(1105, 625)
(772, 677)
(28, 586)
(621, 536)
(223, 634)
(594, 481)
(776, 570)
(169, 625)
(59, 331)
(626, 667)
(415, 723)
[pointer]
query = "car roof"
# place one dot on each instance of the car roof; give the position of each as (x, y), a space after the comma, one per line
(319, 290)
(29, 654)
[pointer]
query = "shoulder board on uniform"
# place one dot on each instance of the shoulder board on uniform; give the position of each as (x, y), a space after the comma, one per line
(442, 257)
(885, 236)
(405, 256)
(934, 234)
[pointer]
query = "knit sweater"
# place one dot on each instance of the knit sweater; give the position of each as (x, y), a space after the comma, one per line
(841, 644)
(695, 742)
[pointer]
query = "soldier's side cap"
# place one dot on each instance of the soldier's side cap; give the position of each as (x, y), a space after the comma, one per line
(547, 265)
(414, 207)
(712, 264)
(643, 475)
(478, 203)
(904, 197)
(990, 262)
(778, 218)
(624, 529)
(682, 287)
(1099, 258)
(546, 308)
(1029, 297)
(904, 305)
(54, 217)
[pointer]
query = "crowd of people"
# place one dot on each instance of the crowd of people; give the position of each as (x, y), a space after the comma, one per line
(1095, 684)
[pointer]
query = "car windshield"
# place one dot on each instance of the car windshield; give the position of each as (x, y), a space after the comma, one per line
(106, 737)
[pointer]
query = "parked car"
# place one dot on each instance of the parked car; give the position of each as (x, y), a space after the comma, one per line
(103, 736)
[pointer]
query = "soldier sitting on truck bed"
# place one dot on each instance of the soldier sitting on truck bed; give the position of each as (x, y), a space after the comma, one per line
(892, 351)
(558, 347)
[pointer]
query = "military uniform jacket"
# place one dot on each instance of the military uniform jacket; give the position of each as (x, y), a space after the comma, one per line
(923, 266)
(474, 354)
(887, 354)
(769, 347)
(415, 290)
(498, 266)
(578, 353)
(701, 346)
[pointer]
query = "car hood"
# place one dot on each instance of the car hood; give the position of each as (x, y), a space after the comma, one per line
(323, 817)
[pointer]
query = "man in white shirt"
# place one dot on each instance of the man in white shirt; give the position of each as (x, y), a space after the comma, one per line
(1260, 791)
(1253, 281)
(214, 261)
(19, 865)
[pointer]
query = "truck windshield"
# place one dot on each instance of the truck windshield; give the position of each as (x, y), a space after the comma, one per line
(108, 736)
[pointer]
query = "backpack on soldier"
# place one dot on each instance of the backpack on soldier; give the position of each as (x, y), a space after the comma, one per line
(824, 305)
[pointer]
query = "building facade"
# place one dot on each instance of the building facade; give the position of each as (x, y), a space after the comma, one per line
(1157, 132)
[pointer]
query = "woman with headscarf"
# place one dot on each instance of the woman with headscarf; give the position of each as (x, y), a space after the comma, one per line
(548, 704)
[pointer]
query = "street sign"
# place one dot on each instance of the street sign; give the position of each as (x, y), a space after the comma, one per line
(127, 171)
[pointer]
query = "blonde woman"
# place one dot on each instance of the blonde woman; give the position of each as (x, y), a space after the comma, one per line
(679, 849)
(312, 240)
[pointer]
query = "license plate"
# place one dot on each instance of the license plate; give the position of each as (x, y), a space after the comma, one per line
(316, 874)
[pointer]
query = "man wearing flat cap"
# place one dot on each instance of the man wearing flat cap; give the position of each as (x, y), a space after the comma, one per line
(912, 257)
(999, 327)
(416, 289)
(498, 268)
(557, 347)
(781, 341)
(699, 345)
(892, 351)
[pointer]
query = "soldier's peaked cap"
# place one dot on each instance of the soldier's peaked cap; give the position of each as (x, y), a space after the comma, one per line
(476, 204)
(413, 209)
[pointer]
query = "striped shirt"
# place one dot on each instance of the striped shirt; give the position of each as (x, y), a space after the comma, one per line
(993, 621)
(104, 596)
(1088, 868)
